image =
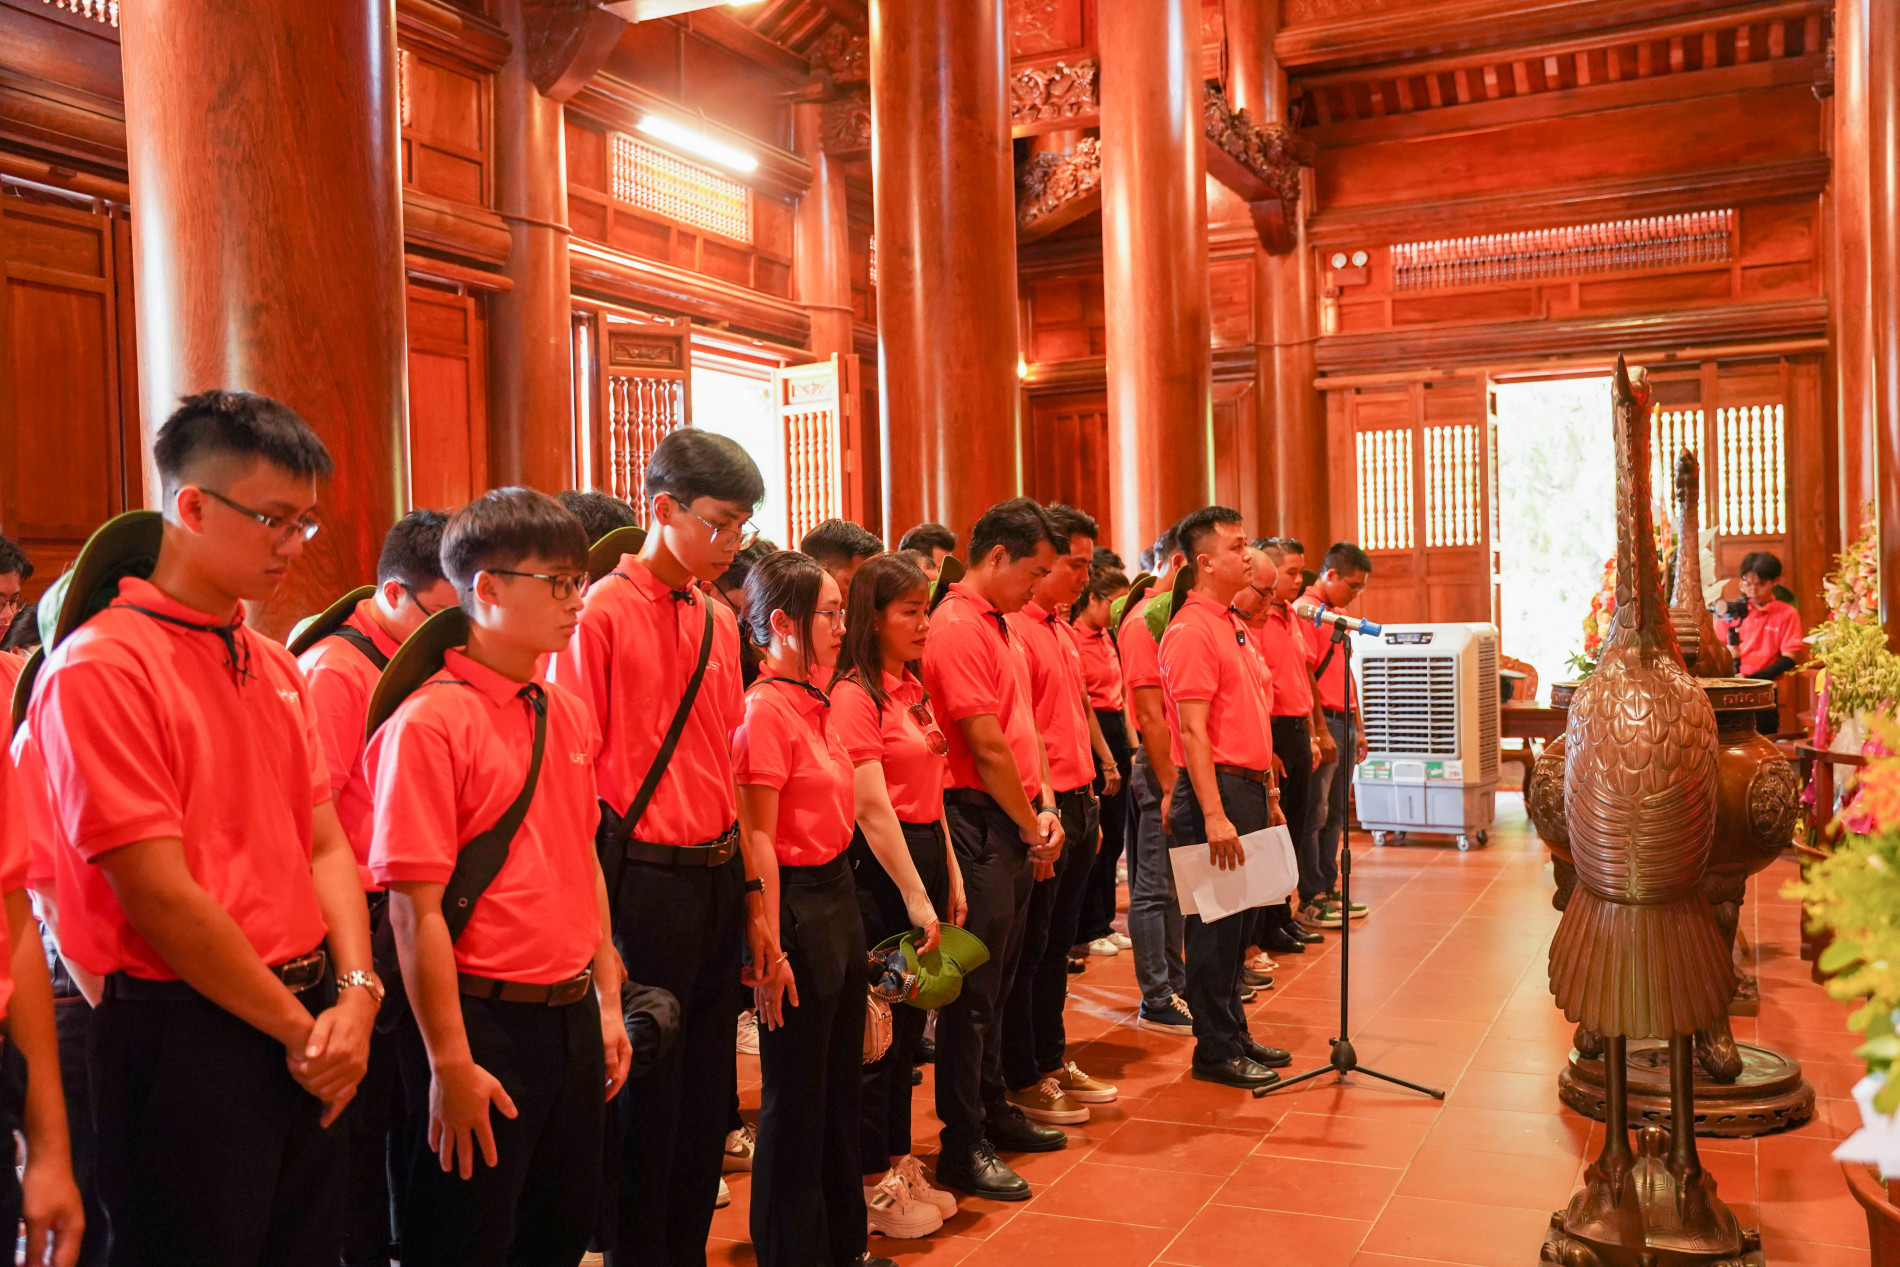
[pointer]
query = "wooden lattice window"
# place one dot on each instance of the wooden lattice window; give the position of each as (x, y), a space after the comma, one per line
(814, 403)
(1453, 504)
(1696, 237)
(657, 181)
(1751, 471)
(1670, 432)
(1385, 489)
(642, 392)
(106, 11)
(404, 108)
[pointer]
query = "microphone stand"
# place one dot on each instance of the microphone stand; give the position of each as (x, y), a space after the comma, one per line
(1345, 1059)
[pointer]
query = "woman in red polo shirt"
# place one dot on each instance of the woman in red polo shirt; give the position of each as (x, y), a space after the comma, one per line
(907, 874)
(795, 793)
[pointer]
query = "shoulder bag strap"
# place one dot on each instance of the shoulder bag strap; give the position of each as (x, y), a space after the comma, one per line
(482, 858)
(362, 642)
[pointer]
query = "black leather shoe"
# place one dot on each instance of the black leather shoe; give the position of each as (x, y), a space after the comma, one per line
(1237, 1071)
(1308, 936)
(981, 1173)
(1246, 994)
(925, 1052)
(872, 1260)
(916, 1075)
(1014, 1133)
(1261, 1054)
(1284, 941)
(1255, 978)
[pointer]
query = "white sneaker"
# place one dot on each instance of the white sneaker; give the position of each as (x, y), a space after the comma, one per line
(1261, 963)
(912, 1171)
(748, 1033)
(724, 1198)
(1121, 941)
(739, 1147)
(894, 1213)
(1104, 947)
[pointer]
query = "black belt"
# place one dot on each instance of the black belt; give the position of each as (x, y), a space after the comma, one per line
(560, 994)
(975, 798)
(1084, 794)
(714, 853)
(1242, 772)
(299, 975)
(1335, 714)
(818, 873)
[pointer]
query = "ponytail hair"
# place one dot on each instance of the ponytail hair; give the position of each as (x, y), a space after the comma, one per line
(785, 581)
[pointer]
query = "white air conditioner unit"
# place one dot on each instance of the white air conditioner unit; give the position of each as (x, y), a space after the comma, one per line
(1429, 697)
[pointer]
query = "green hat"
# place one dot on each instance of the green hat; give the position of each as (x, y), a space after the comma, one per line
(940, 973)
(415, 662)
(126, 545)
(604, 555)
(311, 630)
(1159, 611)
(1119, 609)
(23, 686)
(949, 572)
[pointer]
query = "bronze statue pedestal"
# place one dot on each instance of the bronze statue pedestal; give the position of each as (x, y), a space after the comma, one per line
(1769, 1096)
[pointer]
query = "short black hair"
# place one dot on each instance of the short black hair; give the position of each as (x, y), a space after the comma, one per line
(504, 526)
(1280, 547)
(1019, 525)
(743, 561)
(1107, 558)
(600, 513)
(838, 541)
(1104, 583)
(1343, 557)
(918, 558)
(1168, 544)
(1761, 564)
(241, 425)
(1195, 527)
(1145, 561)
(1071, 523)
(23, 631)
(13, 559)
(412, 551)
(927, 537)
(691, 463)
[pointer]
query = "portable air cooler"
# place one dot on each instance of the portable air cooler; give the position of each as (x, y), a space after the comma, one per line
(1429, 698)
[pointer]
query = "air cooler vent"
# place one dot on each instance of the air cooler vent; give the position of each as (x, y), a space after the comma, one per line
(1488, 707)
(1410, 705)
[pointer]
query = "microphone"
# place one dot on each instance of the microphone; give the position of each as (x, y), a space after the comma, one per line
(1325, 615)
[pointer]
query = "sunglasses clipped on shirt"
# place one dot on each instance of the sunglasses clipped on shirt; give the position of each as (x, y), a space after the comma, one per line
(933, 734)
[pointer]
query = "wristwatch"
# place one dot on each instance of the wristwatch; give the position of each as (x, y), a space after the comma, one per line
(368, 980)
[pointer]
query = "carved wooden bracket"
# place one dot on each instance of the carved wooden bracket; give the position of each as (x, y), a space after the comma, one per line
(1053, 190)
(846, 128)
(1261, 164)
(841, 57)
(1057, 92)
(567, 42)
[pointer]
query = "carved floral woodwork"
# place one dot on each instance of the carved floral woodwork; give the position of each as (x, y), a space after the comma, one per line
(1044, 26)
(845, 129)
(1047, 184)
(1057, 91)
(1274, 153)
(841, 57)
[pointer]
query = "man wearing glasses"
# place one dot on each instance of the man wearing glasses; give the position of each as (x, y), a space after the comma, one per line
(342, 670)
(15, 570)
(686, 908)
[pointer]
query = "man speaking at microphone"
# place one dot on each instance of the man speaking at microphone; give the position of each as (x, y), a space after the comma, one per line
(1214, 688)
(1343, 575)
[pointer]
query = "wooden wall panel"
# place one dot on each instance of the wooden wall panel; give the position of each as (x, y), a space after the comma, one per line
(448, 398)
(447, 131)
(1065, 452)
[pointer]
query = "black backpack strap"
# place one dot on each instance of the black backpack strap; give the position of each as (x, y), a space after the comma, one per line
(615, 860)
(362, 642)
(482, 858)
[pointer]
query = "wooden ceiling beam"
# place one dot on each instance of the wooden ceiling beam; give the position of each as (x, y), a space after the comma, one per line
(716, 26)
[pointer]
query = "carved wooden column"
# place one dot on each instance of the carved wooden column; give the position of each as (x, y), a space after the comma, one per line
(269, 248)
(946, 259)
(531, 415)
(1883, 223)
(1154, 257)
(1851, 296)
(821, 255)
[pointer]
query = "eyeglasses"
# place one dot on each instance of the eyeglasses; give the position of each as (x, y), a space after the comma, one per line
(833, 614)
(421, 606)
(933, 736)
(284, 528)
(11, 603)
(564, 584)
(740, 538)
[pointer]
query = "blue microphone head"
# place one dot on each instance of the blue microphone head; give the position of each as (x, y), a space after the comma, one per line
(1369, 629)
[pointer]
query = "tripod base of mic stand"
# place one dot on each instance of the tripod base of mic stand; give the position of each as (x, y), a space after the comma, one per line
(1344, 1061)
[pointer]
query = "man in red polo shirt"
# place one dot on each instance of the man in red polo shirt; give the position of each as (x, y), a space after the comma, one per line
(1219, 735)
(1005, 827)
(1043, 1082)
(688, 901)
(1091, 626)
(520, 1012)
(202, 853)
(342, 670)
(1343, 575)
(1769, 639)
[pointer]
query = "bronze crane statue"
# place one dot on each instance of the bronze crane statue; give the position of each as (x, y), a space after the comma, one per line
(1638, 953)
(1703, 652)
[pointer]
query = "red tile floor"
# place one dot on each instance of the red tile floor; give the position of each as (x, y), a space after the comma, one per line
(1448, 988)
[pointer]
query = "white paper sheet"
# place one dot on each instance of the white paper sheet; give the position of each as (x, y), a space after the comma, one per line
(1267, 876)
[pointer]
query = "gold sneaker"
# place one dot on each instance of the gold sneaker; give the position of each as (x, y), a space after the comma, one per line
(1083, 1089)
(1047, 1102)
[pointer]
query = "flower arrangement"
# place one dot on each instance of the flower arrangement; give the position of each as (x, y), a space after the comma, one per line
(1852, 589)
(1860, 676)
(1597, 621)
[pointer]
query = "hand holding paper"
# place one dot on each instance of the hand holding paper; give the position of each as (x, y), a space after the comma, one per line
(1266, 875)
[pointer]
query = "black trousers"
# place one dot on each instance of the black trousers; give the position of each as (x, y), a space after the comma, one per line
(886, 1088)
(535, 1207)
(807, 1182)
(13, 1118)
(1098, 907)
(209, 1151)
(1217, 950)
(1292, 743)
(996, 884)
(72, 1020)
(681, 929)
(377, 1144)
(1034, 1040)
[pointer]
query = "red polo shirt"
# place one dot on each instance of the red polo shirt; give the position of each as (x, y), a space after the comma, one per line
(1101, 667)
(973, 666)
(147, 731)
(1769, 632)
(341, 679)
(1055, 687)
(11, 662)
(14, 857)
(912, 772)
(1283, 648)
(1205, 656)
(1319, 640)
(445, 767)
(1140, 663)
(630, 661)
(788, 743)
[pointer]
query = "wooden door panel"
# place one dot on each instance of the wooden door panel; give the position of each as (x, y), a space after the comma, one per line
(448, 417)
(1066, 453)
(818, 414)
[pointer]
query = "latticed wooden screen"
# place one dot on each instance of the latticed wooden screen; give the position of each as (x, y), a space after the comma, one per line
(644, 394)
(657, 181)
(1385, 489)
(1751, 494)
(1670, 432)
(812, 401)
(1453, 501)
